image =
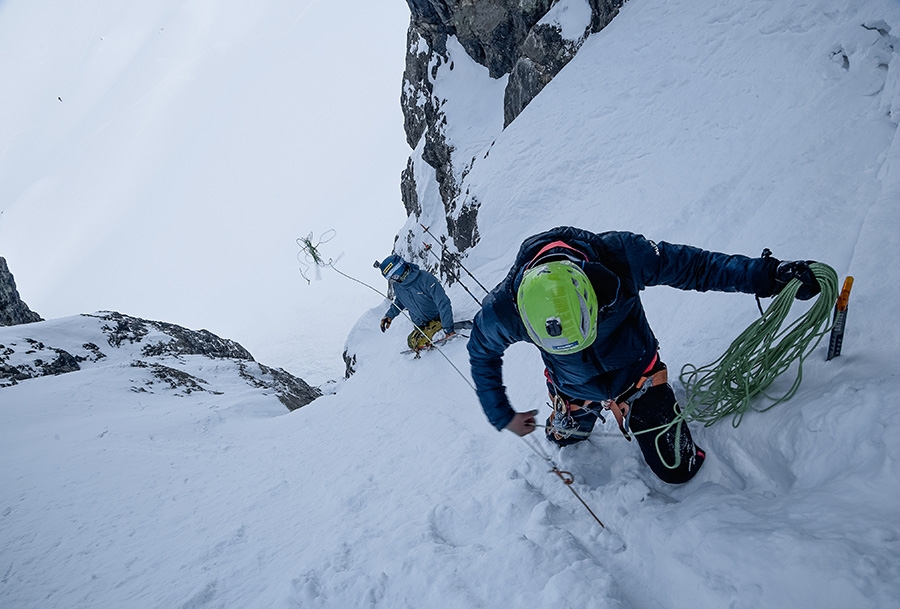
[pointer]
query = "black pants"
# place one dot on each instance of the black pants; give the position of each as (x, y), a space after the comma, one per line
(672, 456)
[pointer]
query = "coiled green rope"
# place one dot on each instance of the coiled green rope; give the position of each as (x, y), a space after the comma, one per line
(762, 353)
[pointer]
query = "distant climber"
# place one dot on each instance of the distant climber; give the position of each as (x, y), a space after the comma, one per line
(419, 292)
(575, 294)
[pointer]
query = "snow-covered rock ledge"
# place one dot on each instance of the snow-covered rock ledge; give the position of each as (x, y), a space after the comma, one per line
(151, 357)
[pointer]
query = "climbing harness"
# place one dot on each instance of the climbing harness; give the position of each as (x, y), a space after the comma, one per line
(655, 374)
(563, 424)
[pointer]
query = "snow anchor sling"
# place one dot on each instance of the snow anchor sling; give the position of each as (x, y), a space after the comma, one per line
(566, 477)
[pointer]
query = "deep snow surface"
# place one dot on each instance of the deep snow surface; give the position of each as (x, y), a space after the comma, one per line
(730, 125)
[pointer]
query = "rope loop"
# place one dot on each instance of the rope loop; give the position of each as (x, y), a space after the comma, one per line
(565, 476)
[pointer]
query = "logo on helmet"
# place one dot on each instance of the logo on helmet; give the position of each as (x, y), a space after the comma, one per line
(564, 348)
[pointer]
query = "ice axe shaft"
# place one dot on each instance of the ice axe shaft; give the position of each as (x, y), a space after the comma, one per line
(840, 320)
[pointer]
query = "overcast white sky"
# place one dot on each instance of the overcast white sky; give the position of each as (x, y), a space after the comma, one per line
(162, 162)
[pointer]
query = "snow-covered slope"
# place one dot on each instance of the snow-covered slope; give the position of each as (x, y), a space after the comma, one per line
(729, 125)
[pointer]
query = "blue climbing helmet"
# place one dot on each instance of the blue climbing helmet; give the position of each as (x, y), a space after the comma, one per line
(393, 267)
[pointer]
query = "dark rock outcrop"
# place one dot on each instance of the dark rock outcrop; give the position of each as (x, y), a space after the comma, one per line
(491, 31)
(121, 328)
(508, 37)
(349, 363)
(174, 378)
(544, 53)
(159, 348)
(12, 310)
(292, 391)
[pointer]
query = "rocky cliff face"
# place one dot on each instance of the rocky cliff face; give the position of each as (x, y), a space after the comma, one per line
(521, 45)
(12, 310)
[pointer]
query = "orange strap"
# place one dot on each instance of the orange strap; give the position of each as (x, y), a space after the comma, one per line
(552, 245)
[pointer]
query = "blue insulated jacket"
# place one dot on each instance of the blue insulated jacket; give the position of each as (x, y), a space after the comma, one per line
(423, 296)
(619, 265)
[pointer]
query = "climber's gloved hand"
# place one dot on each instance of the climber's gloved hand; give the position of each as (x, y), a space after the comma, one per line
(797, 269)
(385, 323)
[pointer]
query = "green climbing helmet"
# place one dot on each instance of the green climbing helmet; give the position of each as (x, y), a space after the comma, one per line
(558, 306)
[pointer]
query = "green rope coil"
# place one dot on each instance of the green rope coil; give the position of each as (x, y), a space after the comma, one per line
(762, 353)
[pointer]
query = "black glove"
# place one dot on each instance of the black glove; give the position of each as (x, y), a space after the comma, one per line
(797, 269)
(385, 323)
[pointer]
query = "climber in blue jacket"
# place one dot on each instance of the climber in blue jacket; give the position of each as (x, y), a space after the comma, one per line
(575, 294)
(420, 293)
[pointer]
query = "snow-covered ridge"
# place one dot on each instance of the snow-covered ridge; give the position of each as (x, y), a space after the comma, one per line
(148, 356)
